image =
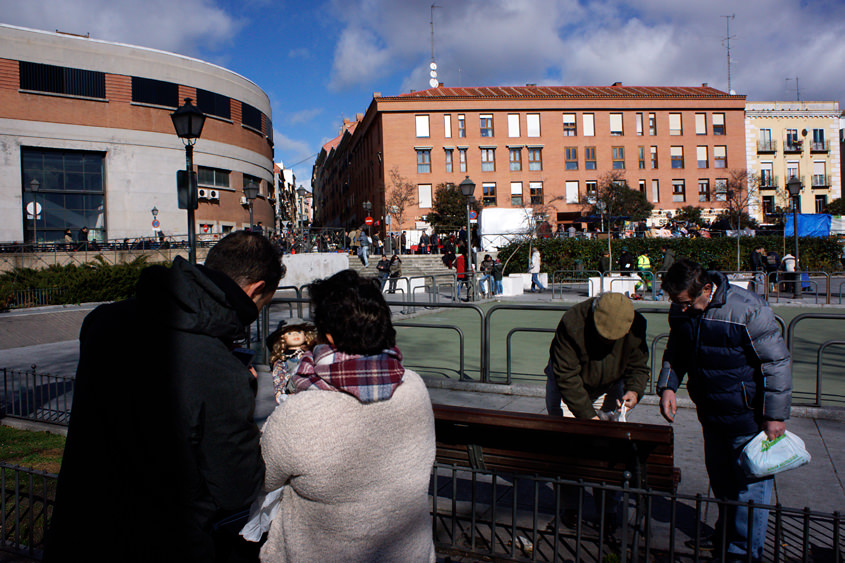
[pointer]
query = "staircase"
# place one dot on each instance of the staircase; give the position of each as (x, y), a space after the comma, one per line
(412, 265)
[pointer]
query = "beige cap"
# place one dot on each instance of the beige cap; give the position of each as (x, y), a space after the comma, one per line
(613, 315)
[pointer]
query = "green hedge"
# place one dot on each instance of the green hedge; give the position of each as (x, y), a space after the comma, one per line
(816, 254)
(92, 282)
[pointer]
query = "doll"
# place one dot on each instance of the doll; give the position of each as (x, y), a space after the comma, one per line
(287, 345)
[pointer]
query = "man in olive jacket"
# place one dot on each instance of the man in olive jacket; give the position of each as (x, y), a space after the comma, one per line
(162, 448)
(599, 348)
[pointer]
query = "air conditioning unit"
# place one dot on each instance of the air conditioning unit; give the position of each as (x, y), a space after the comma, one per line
(244, 200)
(202, 193)
(213, 194)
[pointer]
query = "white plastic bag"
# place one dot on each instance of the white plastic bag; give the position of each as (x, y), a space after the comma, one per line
(762, 457)
(261, 515)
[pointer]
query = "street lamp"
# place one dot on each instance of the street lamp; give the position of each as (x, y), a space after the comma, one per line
(251, 192)
(368, 207)
(33, 187)
(793, 186)
(467, 188)
(188, 121)
(154, 211)
(602, 206)
(300, 191)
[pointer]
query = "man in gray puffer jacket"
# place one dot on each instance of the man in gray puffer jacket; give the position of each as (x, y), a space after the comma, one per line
(727, 341)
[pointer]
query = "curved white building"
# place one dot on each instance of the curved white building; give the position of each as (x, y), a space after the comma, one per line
(86, 139)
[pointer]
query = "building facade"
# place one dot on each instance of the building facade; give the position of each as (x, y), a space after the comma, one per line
(800, 139)
(526, 146)
(87, 140)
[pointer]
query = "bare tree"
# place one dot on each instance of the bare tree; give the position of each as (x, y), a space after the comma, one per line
(736, 194)
(399, 196)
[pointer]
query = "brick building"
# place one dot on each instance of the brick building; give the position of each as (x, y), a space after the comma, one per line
(523, 146)
(90, 121)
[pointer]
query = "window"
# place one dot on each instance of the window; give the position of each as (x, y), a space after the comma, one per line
(765, 142)
(618, 158)
(535, 158)
(768, 205)
(535, 189)
(821, 203)
(462, 126)
(652, 124)
(642, 186)
(448, 154)
(654, 158)
(591, 189)
(718, 123)
(639, 124)
(39, 77)
(616, 124)
(488, 190)
(486, 124)
(214, 104)
(533, 124)
(447, 126)
(251, 116)
(212, 177)
(462, 156)
(571, 158)
(703, 190)
(641, 157)
(701, 124)
(513, 125)
(720, 189)
(589, 158)
(488, 160)
(424, 194)
(71, 192)
(422, 126)
(516, 193)
(569, 127)
(571, 191)
(767, 179)
(677, 154)
(720, 157)
(655, 191)
(818, 140)
(589, 124)
(515, 155)
(675, 124)
(155, 92)
(423, 161)
(701, 156)
(678, 190)
(249, 180)
(819, 176)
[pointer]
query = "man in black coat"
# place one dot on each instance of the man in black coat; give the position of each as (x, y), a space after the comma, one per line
(162, 448)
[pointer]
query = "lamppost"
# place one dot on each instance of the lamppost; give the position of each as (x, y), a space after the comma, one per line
(793, 186)
(467, 188)
(602, 206)
(368, 207)
(33, 187)
(300, 191)
(251, 192)
(188, 121)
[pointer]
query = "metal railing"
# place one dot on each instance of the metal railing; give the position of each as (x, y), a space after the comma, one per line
(503, 517)
(35, 297)
(37, 396)
(27, 501)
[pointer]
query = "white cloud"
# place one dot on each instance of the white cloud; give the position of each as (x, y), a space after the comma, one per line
(305, 115)
(180, 26)
(294, 153)
(299, 53)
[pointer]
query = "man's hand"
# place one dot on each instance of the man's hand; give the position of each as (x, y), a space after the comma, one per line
(629, 399)
(668, 405)
(774, 428)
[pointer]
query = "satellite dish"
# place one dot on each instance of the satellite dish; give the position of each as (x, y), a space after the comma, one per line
(433, 65)
(733, 92)
(433, 82)
(433, 73)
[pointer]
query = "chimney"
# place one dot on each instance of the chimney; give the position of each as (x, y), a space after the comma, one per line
(617, 84)
(531, 84)
(376, 94)
(704, 85)
(359, 116)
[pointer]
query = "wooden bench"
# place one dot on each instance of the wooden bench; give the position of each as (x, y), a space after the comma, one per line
(551, 446)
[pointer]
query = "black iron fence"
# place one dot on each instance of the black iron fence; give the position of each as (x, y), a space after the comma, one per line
(36, 396)
(28, 497)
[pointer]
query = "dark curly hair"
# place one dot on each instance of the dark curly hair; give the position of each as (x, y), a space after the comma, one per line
(685, 275)
(353, 310)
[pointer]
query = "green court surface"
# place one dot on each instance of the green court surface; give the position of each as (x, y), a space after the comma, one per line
(435, 351)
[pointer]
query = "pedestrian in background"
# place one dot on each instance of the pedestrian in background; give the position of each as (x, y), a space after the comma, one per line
(534, 270)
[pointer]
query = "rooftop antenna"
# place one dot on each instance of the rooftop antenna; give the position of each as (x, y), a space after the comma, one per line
(797, 89)
(433, 66)
(727, 43)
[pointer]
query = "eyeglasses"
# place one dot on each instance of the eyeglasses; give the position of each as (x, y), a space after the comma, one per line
(684, 305)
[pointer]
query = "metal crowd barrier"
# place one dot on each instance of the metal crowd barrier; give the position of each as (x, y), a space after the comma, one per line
(561, 277)
(27, 501)
(37, 396)
(35, 297)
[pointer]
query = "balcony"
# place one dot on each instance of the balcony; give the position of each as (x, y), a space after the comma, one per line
(768, 146)
(821, 181)
(791, 146)
(768, 182)
(820, 146)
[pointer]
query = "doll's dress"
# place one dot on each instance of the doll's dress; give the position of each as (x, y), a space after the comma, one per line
(283, 370)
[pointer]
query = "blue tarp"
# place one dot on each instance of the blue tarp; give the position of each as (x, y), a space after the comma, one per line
(809, 225)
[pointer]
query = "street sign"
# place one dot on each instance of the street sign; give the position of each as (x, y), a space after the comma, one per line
(473, 215)
(33, 208)
(368, 221)
(156, 224)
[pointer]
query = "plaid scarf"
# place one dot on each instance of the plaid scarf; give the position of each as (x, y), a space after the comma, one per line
(367, 378)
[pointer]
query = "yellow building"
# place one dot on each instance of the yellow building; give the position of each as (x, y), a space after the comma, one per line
(786, 139)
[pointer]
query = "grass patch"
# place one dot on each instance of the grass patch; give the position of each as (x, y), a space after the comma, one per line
(39, 450)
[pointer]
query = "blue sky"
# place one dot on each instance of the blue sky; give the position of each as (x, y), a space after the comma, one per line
(322, 60)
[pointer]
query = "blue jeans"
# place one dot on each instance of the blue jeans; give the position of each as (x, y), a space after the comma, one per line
(489, 279)
(535, 282)
(500, 289)
(729, 482)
